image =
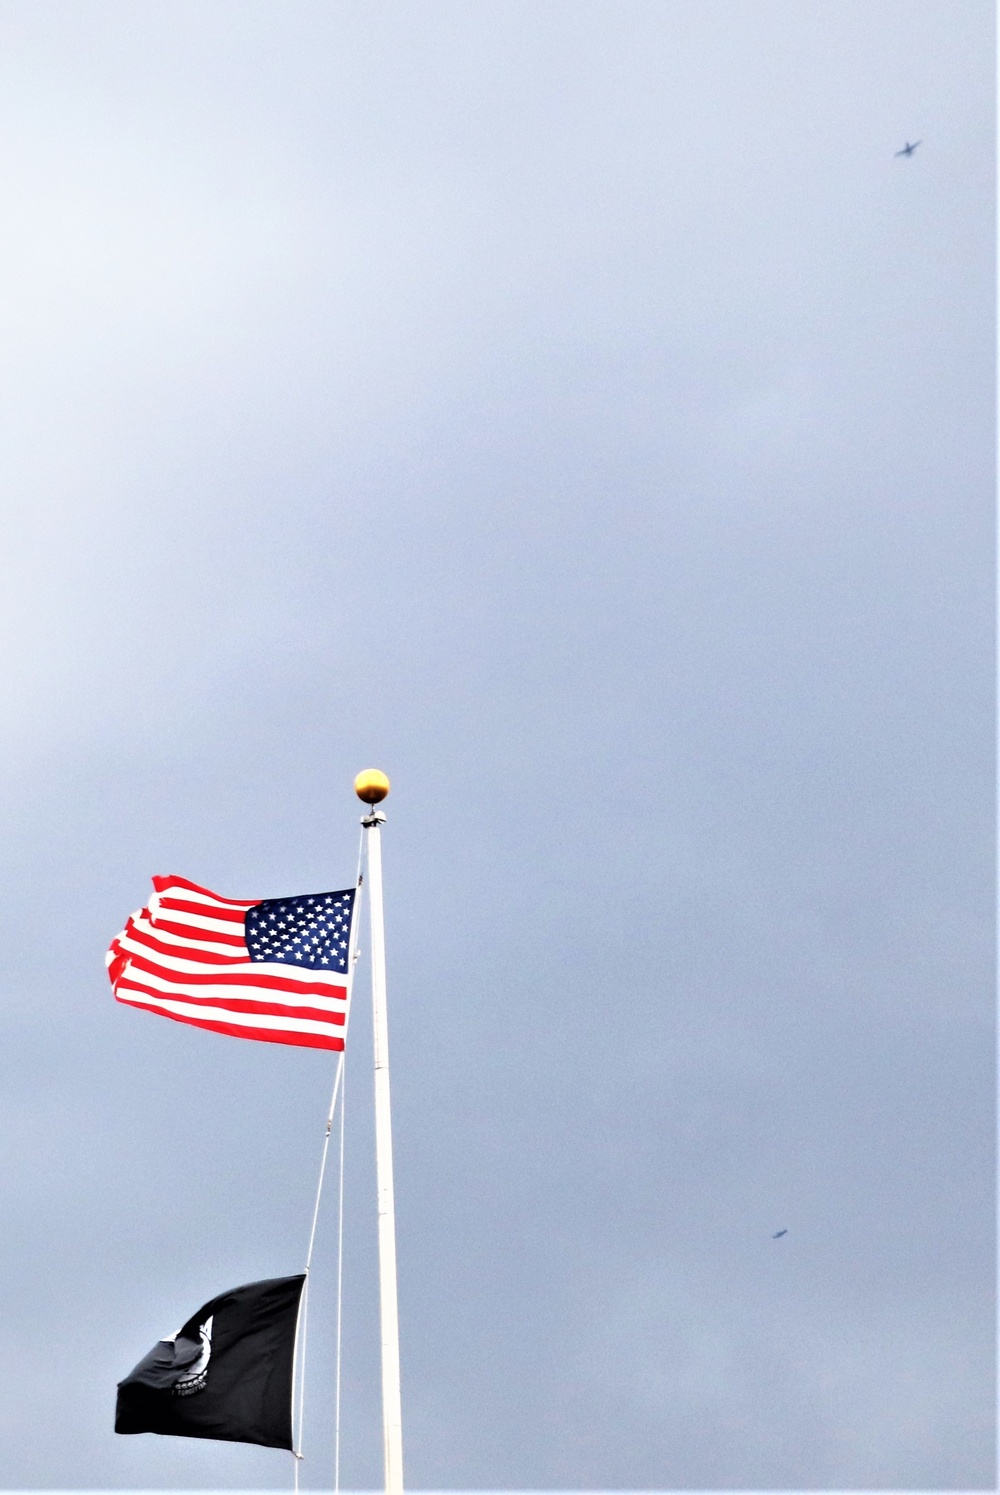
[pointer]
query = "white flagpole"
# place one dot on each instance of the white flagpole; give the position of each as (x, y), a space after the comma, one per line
(372, 787)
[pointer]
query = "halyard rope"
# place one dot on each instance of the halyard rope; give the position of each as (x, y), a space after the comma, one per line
(338, 1080)
(309, 1255)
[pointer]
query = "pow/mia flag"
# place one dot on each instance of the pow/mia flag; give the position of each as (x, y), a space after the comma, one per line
(226, 1374)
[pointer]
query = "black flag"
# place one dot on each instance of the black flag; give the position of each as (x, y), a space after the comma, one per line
(226, 1374)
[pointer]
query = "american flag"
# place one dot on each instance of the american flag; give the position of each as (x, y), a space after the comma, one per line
(277, 969)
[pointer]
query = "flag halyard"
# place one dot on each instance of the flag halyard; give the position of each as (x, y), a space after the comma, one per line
(276, 970)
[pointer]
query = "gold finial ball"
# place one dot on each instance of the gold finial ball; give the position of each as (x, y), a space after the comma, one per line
(371, 785)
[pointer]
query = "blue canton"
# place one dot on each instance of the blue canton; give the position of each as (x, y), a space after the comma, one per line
(313, 930)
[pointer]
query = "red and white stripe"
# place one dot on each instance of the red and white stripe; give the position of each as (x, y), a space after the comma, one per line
(185, 956)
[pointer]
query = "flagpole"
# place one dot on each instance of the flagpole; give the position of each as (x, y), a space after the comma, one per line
(372, 787)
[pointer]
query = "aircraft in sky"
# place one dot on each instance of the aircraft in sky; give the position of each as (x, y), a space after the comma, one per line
(779, 1233)
(909, 148)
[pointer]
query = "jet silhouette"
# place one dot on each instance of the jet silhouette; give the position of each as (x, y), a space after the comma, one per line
(778, 1234)
(908, 149)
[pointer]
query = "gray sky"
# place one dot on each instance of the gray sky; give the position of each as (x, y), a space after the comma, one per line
(578, 411)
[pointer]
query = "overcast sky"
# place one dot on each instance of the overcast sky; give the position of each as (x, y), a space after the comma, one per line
(578, 411)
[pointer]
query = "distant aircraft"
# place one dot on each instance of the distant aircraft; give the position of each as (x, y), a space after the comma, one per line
(908, 149)
(778, 1234)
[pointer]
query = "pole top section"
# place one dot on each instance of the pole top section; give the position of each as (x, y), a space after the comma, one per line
(371, 785)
